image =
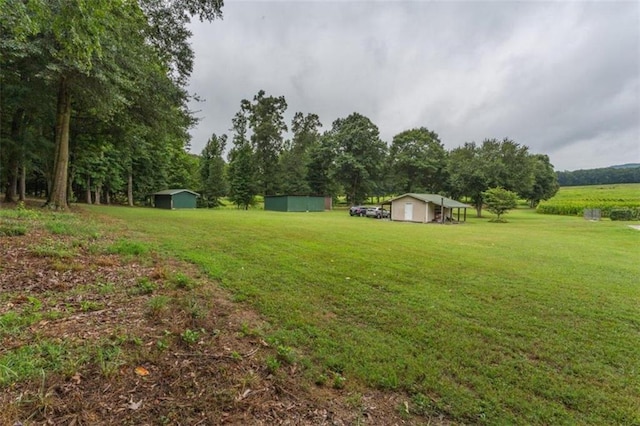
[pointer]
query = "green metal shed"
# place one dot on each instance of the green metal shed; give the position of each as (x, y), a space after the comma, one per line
(175, 199)
(294, 203)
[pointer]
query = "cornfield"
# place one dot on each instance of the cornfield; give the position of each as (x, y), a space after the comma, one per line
(572, 201)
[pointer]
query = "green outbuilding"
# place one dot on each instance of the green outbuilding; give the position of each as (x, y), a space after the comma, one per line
(175, 199)
(294, 203)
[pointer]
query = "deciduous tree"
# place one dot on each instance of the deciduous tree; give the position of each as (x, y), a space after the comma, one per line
(295, 158)
(359, 155)
(545, 182)
(265, 116)
(499, 201)
(242, 183)
(418, 161)
(212, 168)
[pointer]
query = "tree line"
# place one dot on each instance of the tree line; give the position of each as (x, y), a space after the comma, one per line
(350, 159)
(608, 175)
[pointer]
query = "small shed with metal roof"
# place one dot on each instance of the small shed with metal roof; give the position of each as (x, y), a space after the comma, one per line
(426, 208)
(175, 199)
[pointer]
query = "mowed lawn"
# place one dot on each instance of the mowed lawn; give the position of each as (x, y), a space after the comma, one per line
(536, 321)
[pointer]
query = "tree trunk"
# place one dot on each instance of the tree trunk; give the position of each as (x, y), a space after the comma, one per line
(11, 189)
(22, 190)
(97, 192)
(130, 189)
(88, 194)
(58, 196)
(107, 196)
(12, 182)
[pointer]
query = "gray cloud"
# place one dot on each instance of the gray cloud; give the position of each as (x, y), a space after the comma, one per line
(561, 78)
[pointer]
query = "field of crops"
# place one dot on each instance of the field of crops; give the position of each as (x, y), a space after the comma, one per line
(573, 200)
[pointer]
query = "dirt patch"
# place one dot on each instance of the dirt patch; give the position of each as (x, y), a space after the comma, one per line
(147, 351)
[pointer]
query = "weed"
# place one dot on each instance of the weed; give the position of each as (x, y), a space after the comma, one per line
(144, 286)
(190, 337)
(12, 230)
(195, 307)
(60, 228)
(239, 297)
(106, 288)
(250, 380)
(29, 361)
(54, 249)
(273, 364)
(157, 305)
(247, 331)
(421, 405)
(35, 304)
(354, 400)
(62, 224)
(20, 212)
(135, 340)
(286, 354)
(13, 322)
(339, 381)
(162, 345)
(128, 248)
(89, 306)
(321, 379)
(64, 266)
(182, 281)
(109, 359)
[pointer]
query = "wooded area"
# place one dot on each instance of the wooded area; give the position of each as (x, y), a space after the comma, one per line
(94, 97)
(627, 173)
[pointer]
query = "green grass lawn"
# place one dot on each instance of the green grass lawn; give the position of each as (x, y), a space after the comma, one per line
(536, 321)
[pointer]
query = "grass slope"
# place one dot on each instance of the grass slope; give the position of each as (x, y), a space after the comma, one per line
(531, 322)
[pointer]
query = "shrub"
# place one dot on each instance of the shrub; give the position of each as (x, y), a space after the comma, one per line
(499, 201)
(621, 214)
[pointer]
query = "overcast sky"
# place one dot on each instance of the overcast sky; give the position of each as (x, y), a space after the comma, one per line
(562, 78)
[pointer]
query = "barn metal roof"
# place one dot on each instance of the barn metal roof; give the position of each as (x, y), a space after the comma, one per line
(433, 198)
(175, 191)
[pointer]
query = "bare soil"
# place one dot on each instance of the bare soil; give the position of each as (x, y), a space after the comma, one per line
(92, 302)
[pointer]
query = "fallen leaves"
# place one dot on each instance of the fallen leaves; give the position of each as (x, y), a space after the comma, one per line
(134, 405)
(141, 371)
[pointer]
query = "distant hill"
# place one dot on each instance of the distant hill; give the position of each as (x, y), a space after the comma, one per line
(624, 173)
(625, 166)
